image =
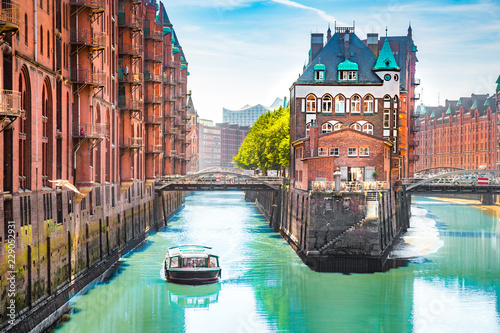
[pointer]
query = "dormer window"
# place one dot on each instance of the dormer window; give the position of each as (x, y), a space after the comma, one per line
(319, 72)
(348, 71)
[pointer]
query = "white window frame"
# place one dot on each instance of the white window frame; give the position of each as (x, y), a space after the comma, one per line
(368, 128)
(356, 127)
(387, 118)
(319, 75)
(368, 104)
(326, 128)
(311, 103)
(364, 151)
(337, 126)
(308, 129)
(339, 104)
(333, 151)
(327, 104)
(352, 151)
(322, 151)
(355, 104)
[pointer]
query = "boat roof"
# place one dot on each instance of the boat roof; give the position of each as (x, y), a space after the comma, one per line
(190, 250)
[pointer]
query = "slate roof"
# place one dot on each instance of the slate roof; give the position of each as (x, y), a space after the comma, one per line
(333, 53)
(190, 106)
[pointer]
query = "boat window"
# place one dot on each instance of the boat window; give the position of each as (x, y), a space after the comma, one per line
(213, 262)
(174, 262)
(194, 262)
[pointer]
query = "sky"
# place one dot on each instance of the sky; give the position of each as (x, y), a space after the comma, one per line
(250, 52)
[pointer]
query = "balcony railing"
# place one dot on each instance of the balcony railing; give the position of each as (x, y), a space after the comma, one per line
(131, 142)
(86, 76)
(87, 130)
(150, 55)
(414, 127)
(148, 76)
(417, 96)
(153, 34)
(126, 48)
(154, 149)
(353, 186)
(125, 21)
(87, 37)
(10, 16)
(130, 78)
(416, 82)
(127, 104)
(413, 142)
(153, 98)
(97, 5)
(173, 153)
(153, 120)
(414, 158)
(10, 103)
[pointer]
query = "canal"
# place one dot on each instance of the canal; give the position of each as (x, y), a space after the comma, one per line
(451, 285)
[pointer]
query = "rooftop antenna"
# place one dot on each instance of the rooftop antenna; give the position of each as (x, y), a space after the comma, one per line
(385, 31)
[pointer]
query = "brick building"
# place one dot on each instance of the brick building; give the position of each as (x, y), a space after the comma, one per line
(209, 145)
(351, 109)
(192, 152)
(93, 92)
(232, 137)
(463, 133)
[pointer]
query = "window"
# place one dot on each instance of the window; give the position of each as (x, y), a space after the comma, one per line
(26, 29)
(339, 104)
(327, 103)
(368, 128)
(356, 127)
(352, 151)
(311, 103)
(368, 104)
(387, 102)
(326, 128)
(348, 75)
(337, 127)
(48, 43)
(334, 151)
(387, 118)
(364, 151)
(322, 151)
(41, 38)
(308, 128)
(355, 104)
(319, 75)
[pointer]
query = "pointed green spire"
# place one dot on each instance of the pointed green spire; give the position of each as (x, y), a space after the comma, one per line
(487, 103)
(449, 110)
(498, 80)
(433, 115)
(459, 102)
(425, 110)
(498, 87)
(474, 106)
(386, 59)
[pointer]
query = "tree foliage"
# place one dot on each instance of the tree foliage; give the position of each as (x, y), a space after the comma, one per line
(267, 146)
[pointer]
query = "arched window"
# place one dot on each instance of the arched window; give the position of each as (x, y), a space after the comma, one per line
(368, 128)
(356, 127)
(327, 103)
(48, 43)
(26, 29)
(368, 104)
(311, 103)
(339, 104)
(308, 128)
(337, 126)
(387, 102)
(355, 104)
(25, 130)
(41, 39)
(47, 137)
(326, 128)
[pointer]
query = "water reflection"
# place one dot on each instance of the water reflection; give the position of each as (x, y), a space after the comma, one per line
(193, 296)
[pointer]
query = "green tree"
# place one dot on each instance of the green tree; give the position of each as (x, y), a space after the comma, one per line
(267, 146)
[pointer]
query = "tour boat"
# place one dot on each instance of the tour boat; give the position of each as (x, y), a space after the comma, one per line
(192, 264)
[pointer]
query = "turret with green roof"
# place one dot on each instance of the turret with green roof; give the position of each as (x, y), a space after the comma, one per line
(386, 60)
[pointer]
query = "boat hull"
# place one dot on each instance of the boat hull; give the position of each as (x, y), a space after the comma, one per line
(193, 276)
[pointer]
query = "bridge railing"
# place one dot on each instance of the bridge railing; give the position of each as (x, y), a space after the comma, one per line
(353, 186)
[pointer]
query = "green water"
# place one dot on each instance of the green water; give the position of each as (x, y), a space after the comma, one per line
(265, 287)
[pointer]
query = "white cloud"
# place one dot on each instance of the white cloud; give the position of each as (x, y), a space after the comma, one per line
(320, 12)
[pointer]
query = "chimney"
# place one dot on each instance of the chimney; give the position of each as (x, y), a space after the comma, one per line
(313, 138)
(316, 45)
(372, 43)
(347, 41)
(328, 33)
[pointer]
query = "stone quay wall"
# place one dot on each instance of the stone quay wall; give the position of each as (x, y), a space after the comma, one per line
(348, 232)
(54, 261)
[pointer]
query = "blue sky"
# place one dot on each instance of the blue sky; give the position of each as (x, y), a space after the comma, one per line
(248, 52)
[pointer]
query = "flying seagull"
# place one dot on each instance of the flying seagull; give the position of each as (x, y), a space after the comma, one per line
(62, 182)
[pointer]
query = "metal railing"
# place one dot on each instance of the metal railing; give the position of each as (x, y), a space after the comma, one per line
(90, 3)
(153, 34)
(132, 22)
(413, 142)
(150, 55)
(148, 76)
(87, 37)
(414, 158)
(10, 12)
(130, 104)
(152, 120)
(414, 127)
(80, 75)
(88, 130)
(10, 103)
(153, 98)
(154, 149)
(416, 82)
(129, 48)
(135, 142)
(353, 186)
(130, 78)
(173, 153)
